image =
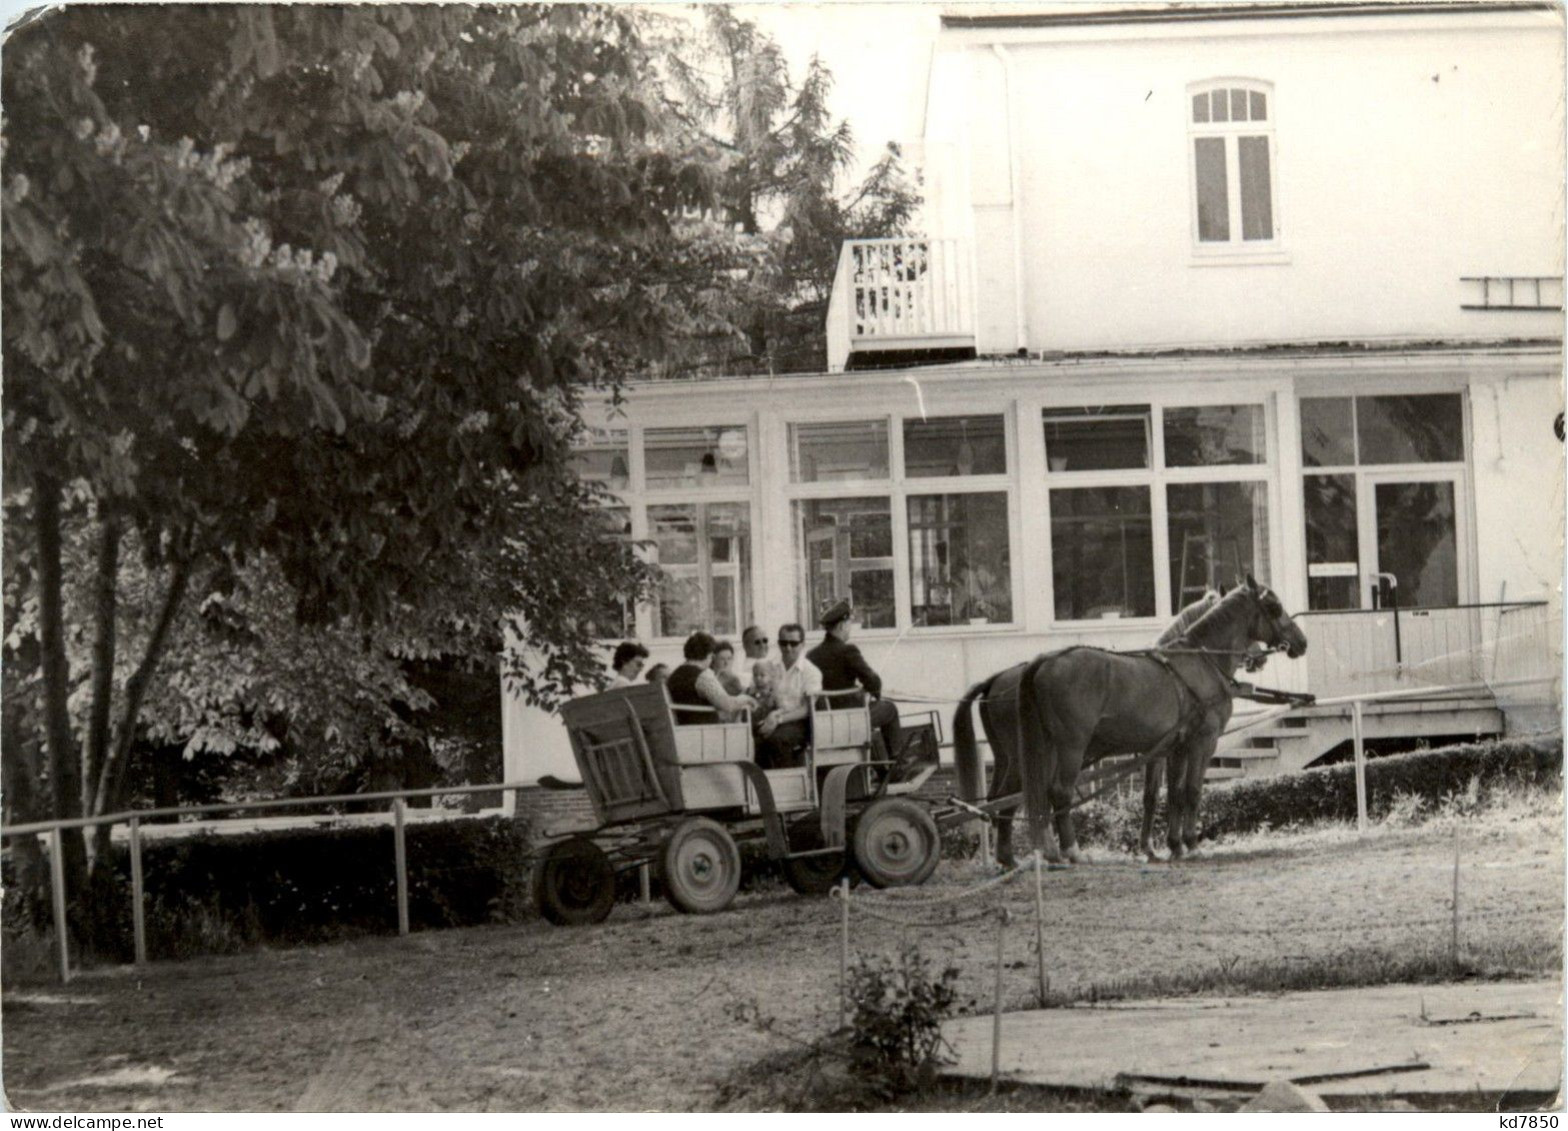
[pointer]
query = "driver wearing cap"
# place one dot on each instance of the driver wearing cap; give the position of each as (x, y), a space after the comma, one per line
(843, 667)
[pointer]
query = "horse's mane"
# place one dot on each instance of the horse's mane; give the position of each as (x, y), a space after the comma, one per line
(1188, 617)
(1217, 619)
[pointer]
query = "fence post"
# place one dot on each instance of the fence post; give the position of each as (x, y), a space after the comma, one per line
(138, 900)
(1361, 766)
(1039, 921)
(1454, 939)
(400, 857)
(644, 884)
(57, 894)
(843, 955)
(986, 856)
(996, 1005)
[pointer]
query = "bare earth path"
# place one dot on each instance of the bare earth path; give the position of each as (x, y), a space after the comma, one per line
(639, 1013)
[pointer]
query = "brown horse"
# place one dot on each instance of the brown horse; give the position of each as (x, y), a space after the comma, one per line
(1003, 739)
(1064, 710)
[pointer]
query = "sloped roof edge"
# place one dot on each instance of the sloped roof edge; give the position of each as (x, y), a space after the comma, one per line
(1088, 15)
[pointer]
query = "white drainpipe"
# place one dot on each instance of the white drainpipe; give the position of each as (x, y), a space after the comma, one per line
(1020, 312)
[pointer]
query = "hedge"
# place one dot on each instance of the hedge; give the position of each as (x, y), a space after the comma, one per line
(1329, 793)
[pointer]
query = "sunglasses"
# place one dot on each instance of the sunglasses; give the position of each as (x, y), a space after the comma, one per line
(790, 643)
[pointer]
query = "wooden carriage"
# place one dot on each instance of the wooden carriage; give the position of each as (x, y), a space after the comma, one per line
(685, 797)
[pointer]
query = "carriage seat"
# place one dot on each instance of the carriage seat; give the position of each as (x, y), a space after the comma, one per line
(840, 726)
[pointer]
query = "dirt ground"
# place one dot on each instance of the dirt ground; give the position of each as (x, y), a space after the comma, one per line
(649, 1011)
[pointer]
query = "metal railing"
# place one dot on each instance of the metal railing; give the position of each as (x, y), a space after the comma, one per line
(1391, 649)
(135, 818)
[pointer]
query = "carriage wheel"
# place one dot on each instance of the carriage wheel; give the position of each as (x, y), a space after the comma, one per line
(573, 883)
(701, 867)
(896, 843)
(814, 875)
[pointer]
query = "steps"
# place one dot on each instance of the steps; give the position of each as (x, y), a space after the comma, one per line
(1300, 737)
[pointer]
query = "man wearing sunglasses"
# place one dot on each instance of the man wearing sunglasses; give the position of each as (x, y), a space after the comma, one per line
(784, 731)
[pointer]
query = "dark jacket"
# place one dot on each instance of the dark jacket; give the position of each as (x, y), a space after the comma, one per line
(842, 667)
(682, 686)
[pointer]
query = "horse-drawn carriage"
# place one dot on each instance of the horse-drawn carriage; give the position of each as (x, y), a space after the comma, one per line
(684, 798)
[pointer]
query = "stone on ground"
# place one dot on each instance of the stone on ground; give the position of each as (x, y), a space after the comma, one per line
(1283, 1096)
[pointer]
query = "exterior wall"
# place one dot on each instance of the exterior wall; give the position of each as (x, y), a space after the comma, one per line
(1520, 540)
(1410, 151)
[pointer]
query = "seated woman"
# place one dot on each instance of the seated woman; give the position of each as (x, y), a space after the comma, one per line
(694, 684)
(724, 671)
(627, 664)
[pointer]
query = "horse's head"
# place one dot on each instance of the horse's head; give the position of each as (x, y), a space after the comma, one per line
(1270, 623)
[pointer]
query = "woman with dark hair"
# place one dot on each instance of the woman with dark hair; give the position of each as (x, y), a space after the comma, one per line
(627, 663)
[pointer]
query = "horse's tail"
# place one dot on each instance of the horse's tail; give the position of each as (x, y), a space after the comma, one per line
(1035, 772)
(966, 755)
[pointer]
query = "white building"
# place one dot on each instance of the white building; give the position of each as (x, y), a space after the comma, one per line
(1203, 289)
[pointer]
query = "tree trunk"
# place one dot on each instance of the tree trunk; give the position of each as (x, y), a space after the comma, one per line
(105, 592)
(65, 768)
(110, 793)
(20, 773)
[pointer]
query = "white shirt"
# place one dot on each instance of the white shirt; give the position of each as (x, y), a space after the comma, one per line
(796, 683)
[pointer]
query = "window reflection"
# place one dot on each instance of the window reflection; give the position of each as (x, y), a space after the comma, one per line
(1102, 552)
(959, 565)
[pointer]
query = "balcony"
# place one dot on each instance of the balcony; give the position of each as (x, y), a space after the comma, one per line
(900, 301)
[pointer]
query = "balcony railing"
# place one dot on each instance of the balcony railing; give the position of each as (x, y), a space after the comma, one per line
(900, 295)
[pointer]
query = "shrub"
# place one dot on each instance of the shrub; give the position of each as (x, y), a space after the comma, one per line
(896, 1025)
(1329, 793)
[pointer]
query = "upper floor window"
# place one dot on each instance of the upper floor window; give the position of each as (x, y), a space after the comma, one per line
(1231, 124)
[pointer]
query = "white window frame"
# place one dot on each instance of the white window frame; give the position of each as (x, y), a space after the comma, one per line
(1235, 251)
(638, 497)
(897, 488)
(1156, 478)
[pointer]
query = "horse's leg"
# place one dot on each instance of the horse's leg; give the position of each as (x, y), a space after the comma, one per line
(1202, 754)
(998, 718)
(1176, 763)
(1070, 748)
(1151, 801)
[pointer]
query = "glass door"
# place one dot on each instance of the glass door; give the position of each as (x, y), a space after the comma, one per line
(1412, 529)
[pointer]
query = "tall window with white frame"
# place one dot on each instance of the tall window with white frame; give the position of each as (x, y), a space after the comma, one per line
(945, 479)
(1134, 485)
(688, 491)
(604, 457)
(1230, 126)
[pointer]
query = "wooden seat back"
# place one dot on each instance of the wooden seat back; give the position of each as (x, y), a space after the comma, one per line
(624, 743)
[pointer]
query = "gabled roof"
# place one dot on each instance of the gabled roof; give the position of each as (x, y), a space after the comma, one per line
(1090, 14)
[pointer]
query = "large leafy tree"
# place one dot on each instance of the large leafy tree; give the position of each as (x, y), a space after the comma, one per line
(301, 300)
(786, 193)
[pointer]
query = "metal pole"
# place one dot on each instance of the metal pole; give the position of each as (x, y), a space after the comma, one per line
(843, 955)
(57, 892)
(996, 1005)
(986, 857)
(644, 884)
(1361, 766)
(1454, 939)
(400, 855)
(1039, 921)
(138, 898)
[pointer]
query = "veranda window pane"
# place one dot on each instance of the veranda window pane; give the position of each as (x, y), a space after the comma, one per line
(1327, 432)
(1213, 435)
(1094, 439)
(1257, 205)
(1213, 211)
(1219, 532)
(696, 457)
(1333, 551)
(604, 457)
(1200, 107)
(1221, 106)
(837, 451)
(613, 618)
(1411, 429)
(959, 559)
(955, 445)
(844, 546)
(1258, 106)
(1238, 105)
(1102, 553)
(704, 550)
